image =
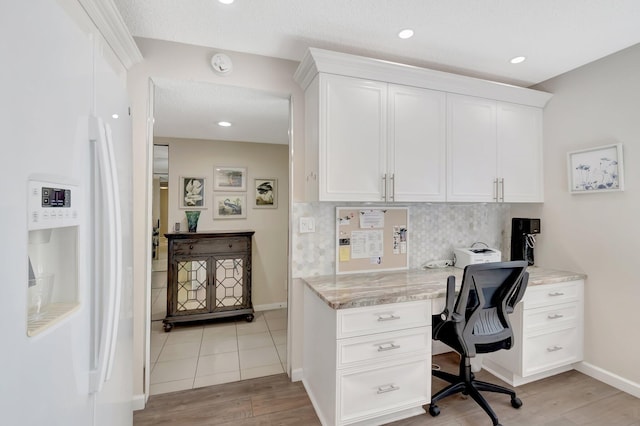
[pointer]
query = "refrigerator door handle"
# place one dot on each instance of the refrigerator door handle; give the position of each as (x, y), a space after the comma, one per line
(107, 303)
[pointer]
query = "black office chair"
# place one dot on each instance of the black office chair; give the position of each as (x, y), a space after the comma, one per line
(479, 323)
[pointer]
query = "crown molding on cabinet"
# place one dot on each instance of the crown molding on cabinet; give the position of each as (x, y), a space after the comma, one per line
(323, 61)
(109, 22)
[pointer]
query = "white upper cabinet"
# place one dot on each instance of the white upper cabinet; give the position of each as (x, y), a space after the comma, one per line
(352, 139)
(520, 153)
(494, 151)
(377, 131)
(471, 149)
(375, 141)
(417, 144)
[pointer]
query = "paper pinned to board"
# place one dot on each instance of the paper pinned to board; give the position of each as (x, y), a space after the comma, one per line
(372, 219)
(366, 244)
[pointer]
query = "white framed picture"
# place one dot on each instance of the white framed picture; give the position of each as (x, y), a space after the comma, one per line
(597, 169)
(192, 192)
(265, 193)
(229, 205)
(229, 178)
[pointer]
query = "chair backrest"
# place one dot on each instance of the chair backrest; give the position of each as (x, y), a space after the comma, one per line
(489, 292)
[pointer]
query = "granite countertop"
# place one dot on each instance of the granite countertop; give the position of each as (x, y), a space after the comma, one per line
(377, 288)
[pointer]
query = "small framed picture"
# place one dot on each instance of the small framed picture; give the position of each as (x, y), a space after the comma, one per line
(192, 191)
(229, 205)
(266, 193)
(597, 169)
(229, 178)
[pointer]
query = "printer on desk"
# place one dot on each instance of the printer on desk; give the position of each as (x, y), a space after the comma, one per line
(473, 255)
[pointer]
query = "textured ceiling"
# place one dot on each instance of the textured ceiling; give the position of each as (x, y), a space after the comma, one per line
(472, 37)
(469, 37)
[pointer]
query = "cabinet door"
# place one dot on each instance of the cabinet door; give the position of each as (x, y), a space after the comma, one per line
(471, 149)
(417, 144)
(352, 142)
(189, 286)
(520, 153)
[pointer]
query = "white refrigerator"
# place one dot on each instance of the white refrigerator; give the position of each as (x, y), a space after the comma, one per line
(65, 221)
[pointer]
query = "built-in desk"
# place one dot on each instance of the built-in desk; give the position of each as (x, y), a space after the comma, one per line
(367, 339)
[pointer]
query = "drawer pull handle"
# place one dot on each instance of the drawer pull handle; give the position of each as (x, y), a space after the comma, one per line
(554, 348)
(556, 293)
(554, 316)
(230, 245)
(387, 388)
(387, 317)
(387, 347)
(191, 246)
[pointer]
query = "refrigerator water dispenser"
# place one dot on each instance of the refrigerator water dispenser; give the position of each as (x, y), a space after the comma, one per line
(52, 287)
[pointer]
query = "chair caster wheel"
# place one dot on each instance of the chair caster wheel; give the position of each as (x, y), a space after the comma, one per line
(516, 402)
(434, 410)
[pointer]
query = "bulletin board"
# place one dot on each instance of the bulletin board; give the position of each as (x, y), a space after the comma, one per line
(371, 239)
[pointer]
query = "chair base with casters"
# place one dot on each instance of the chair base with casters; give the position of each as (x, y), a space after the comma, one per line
(476, 322)
(466, 384)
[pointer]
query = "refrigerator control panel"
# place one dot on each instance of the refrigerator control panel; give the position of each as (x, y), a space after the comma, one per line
(51, 206)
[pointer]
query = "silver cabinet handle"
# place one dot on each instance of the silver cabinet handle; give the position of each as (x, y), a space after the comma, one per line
(384, 187)
(387, 317)
(502, 192)
(554, 316)
(387, 388)
(556, 293)
(554, 348)
(495, 190)
(383, 347)
(392, 196)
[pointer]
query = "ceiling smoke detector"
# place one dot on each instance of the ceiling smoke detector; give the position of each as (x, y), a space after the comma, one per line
(221, 64)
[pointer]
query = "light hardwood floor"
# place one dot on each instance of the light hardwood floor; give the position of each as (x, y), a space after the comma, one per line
(567, 399)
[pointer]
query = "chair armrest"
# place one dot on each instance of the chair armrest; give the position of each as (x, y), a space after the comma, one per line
(447, 313)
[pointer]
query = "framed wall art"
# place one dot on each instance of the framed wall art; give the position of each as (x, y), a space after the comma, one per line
(229, 205)
(597, 169)
(265, 193)
(229, 178)
(192, 192)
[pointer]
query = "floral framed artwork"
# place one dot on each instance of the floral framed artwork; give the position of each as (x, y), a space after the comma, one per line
(229, 205)
(265, 193)
(192, 192)
(597, 169)
(229, 178)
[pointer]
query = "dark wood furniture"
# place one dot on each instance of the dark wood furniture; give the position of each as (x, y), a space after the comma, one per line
(208, 276)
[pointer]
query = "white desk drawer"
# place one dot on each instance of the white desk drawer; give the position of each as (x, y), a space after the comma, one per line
(385, 388)
(383, 318)
(551, 317)
(548, 294)
(550, 350)
(383, 346)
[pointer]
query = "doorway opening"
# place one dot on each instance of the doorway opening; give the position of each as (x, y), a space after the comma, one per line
(222, 351)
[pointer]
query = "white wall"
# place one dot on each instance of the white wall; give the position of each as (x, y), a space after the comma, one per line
(597, 234)
(186, 62)
(191, 157)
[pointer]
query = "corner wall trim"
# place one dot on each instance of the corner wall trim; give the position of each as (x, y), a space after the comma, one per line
(609, 378)
(138, 402)
(296, 375)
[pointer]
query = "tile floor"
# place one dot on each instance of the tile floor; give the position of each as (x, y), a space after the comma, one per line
(192, 356)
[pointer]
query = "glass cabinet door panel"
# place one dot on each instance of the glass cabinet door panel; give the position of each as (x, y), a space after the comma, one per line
(229, 276)
(192, 285)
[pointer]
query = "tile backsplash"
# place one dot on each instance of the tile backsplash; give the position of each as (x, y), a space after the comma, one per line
(434, 230)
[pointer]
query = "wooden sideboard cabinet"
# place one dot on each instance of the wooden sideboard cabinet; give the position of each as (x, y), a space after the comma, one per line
(208, 276)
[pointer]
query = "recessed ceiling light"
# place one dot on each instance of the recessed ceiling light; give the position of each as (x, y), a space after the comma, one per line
(224, 124)
(518, 59)
(226, 1)
(407, 33)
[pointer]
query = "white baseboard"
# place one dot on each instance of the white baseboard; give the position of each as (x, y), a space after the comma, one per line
(270, 306)
(296, 375)
(138, 402)
(609, 378)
